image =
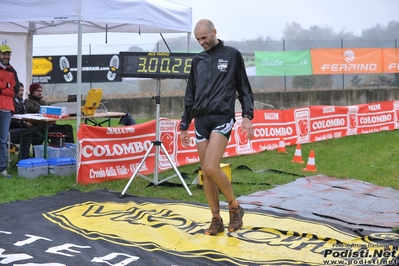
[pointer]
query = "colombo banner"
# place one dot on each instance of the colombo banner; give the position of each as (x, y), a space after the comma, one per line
(110, 153)
(288, 63)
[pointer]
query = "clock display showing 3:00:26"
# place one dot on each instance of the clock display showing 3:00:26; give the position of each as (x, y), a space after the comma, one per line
(155, 64)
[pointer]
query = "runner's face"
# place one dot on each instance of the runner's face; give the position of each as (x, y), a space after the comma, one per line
(205, 37)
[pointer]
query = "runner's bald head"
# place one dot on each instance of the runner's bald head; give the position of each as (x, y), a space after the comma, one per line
(204, 24)
(205, 34)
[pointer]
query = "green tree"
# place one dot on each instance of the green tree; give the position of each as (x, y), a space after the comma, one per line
(304, 82)
(395, 80)
(135, 48)
(380, 32)
(313, 81)
(293, 31)
(324, 81)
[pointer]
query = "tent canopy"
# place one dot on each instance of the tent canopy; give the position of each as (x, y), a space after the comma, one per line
(25, 18)
(62, 17)
(31, 17)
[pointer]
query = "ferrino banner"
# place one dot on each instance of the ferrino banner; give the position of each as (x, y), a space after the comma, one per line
(391, 60)
(347, 61)
(110, 153)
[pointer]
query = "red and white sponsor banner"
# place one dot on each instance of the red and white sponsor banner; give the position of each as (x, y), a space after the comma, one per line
(110, 153)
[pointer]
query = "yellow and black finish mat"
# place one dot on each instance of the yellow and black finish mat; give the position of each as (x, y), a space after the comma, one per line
(99, 228)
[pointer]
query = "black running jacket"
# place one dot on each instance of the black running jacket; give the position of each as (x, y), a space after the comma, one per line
(215, 78)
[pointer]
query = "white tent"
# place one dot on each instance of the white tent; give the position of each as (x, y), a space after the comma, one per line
(27, 18)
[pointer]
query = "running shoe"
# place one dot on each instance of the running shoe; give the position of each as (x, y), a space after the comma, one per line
(216, 227)
(5, 174)
(236, 215)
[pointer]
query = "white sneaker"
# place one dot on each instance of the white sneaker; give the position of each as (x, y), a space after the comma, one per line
(5, 174)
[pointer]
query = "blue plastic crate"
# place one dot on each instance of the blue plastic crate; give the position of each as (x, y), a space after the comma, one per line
(61, 161)
(62, 166)
(53, 152)
(32, 168)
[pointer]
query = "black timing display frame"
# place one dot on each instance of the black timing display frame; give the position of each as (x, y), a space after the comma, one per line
(155, 65)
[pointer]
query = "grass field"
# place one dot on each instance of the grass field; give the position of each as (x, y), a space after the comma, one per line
(371, 158)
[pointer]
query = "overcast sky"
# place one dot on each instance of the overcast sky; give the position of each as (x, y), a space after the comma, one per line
(250, 19)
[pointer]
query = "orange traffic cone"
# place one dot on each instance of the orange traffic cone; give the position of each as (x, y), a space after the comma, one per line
(281, 146)
(298, 155)
(311, 166)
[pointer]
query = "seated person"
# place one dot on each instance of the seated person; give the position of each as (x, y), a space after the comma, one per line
(18, 127)
(33, 104)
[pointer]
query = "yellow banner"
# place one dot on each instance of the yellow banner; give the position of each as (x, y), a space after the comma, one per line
(177, 228)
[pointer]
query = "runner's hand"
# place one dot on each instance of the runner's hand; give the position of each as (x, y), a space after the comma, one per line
(247, 127)
(184, 137)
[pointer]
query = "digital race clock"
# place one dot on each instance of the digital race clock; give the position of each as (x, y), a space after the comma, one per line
(155, 64)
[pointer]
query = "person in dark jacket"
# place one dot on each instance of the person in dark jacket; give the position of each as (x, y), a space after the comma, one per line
(35, 99)
(33, 103)
(217, 75)
(19, 127)
(9, 86)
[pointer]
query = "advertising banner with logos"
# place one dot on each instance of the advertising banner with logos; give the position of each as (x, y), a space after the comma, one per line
(105, 68)
(289, 63)
(110, 153)
(327, 61)
(391, 60)
(62, 69)
(347, 61)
